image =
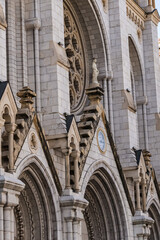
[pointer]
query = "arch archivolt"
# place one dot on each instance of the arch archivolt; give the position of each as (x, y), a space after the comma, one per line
(24, 163)
(93, 168)
(153, 209)
(152, 201)
(101, 184)
(39, 200)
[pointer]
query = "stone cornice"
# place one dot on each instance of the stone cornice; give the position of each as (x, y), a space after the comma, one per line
(139, 15)
(154, 17)
(135, 13)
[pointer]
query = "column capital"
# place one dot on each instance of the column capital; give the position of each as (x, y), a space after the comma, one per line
(75, 153)
(137, 180)
(67, 151)
(11, 127)
(10, 189)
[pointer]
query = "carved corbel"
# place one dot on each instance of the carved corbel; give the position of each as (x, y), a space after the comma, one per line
(33, 23)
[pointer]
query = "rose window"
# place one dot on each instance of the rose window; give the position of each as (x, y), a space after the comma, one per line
(75, 54)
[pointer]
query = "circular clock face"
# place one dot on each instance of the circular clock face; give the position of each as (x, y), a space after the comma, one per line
(101, 141)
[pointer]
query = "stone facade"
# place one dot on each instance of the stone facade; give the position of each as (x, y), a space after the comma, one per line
(79, 120)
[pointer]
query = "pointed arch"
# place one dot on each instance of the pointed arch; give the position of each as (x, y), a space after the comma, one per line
(138, 91)
(38, 212)
(105, 205)
(153, 209)
(153, 212)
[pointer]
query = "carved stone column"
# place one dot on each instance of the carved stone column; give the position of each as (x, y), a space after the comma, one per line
(138, 207)
(67, 152)
(1, 222)
(1, 125)
(7, 223)
(10, 129)
(144, 194)
(76, 155)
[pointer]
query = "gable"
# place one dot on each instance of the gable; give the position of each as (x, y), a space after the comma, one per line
(7, 100)
(35, 146)
(109, 155)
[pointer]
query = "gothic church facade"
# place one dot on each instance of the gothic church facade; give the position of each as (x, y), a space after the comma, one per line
(79, 120)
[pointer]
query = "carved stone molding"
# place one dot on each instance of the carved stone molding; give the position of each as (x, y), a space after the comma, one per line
(135, 13)
(3, 23)
(39, 204)
(30, 214)
(19, 222)
(91, 211)
(139, 15)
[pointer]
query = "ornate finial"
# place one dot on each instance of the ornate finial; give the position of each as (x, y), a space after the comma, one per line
(26, 95)
(147, 155)
(3, 23)
(95, 73)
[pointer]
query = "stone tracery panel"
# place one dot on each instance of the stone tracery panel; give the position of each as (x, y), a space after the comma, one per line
(75, 54)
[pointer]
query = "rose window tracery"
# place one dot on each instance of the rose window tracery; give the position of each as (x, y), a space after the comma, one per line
(75, 54)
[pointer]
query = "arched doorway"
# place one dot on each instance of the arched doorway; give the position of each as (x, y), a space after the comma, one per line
(35, 216)
(104, 216)
(155, 230)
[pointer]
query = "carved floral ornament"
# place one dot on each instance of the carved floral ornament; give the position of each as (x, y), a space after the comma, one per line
(75, 54)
